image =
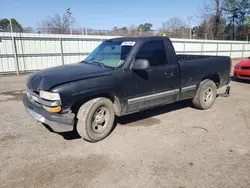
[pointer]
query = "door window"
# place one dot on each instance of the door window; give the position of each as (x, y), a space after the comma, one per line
(154, 52)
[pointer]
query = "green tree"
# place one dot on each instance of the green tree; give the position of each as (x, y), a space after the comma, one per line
(16, 26)
(123, 29)
(247, 21)
(120, 31)
(146, 27)
(237, 11)
(5, 25)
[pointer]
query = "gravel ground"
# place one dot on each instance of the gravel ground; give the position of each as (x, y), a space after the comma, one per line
(172, 146)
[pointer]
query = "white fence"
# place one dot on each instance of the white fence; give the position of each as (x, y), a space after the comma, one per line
(22, 52)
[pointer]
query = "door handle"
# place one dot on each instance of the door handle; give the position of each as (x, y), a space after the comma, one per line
(169, 74)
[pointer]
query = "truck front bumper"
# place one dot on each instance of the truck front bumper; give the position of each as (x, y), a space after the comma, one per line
(57, 122)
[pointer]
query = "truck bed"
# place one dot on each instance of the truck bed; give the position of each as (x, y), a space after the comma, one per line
(194, 67)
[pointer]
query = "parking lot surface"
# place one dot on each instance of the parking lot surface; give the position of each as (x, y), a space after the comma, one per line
(173, 146)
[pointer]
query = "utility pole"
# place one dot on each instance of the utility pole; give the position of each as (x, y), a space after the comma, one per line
(70, 19)
(190, 25)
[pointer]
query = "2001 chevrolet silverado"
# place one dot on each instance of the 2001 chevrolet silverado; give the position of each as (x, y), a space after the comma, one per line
(122, 76)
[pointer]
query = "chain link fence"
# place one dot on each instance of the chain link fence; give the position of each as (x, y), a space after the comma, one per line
(85, 31)
(241, 34)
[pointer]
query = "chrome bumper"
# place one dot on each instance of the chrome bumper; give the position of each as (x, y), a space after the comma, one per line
(57, 127)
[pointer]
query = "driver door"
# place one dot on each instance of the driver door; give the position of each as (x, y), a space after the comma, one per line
(154, 86)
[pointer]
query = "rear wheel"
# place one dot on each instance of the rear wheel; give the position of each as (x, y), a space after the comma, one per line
(206, 95)
(95, 119)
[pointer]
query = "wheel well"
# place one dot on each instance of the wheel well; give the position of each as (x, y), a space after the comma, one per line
(213, 77)
(115, 100)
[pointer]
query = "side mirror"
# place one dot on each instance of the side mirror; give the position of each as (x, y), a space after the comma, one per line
(141, 64)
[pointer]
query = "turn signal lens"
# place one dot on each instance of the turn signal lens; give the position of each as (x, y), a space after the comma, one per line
(53, 109)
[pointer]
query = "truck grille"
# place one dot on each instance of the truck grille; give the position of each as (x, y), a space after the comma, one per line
(32, 96)
(245, 68)
(32, 90)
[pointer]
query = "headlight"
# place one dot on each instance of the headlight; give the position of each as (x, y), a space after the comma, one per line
(50, 96)
(237, 67)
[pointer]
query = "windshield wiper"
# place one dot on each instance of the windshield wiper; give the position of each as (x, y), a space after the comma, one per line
(94, 62)
(98, 63)
(84, 62)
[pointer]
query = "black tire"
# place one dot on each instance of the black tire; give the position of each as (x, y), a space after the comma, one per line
(88, 116)
(202, 100)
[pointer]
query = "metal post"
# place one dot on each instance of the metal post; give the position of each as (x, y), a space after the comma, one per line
(202, 48)
(140, 31)
(231, 47)
(14, 49)
(61, 45)
(184, 47)
(243, 50)
(24, 60)
(217, 49)
(86, 31)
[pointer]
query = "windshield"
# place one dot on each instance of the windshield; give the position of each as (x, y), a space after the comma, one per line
(110, 53)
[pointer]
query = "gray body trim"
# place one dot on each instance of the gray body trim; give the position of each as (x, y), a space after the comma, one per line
(160, 95)
(188, 88)
(153, 96)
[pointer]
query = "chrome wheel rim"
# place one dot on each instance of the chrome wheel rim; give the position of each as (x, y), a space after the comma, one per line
(208, 95)
(100, 119)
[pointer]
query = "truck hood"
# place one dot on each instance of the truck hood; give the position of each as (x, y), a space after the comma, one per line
(48, 78)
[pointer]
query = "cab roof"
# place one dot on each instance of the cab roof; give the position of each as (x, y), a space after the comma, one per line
(136, 39)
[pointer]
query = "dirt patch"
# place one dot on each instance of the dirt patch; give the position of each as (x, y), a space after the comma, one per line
(9, 137)
(133, 121)
(147, 122)
(11, 95)
(59, 172)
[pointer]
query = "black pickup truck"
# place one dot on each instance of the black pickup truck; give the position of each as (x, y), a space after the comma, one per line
(122, 76)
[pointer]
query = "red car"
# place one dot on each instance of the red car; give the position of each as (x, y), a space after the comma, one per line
(242, 70)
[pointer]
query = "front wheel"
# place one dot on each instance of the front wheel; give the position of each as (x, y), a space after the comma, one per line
(95, 119)
(206, 95)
